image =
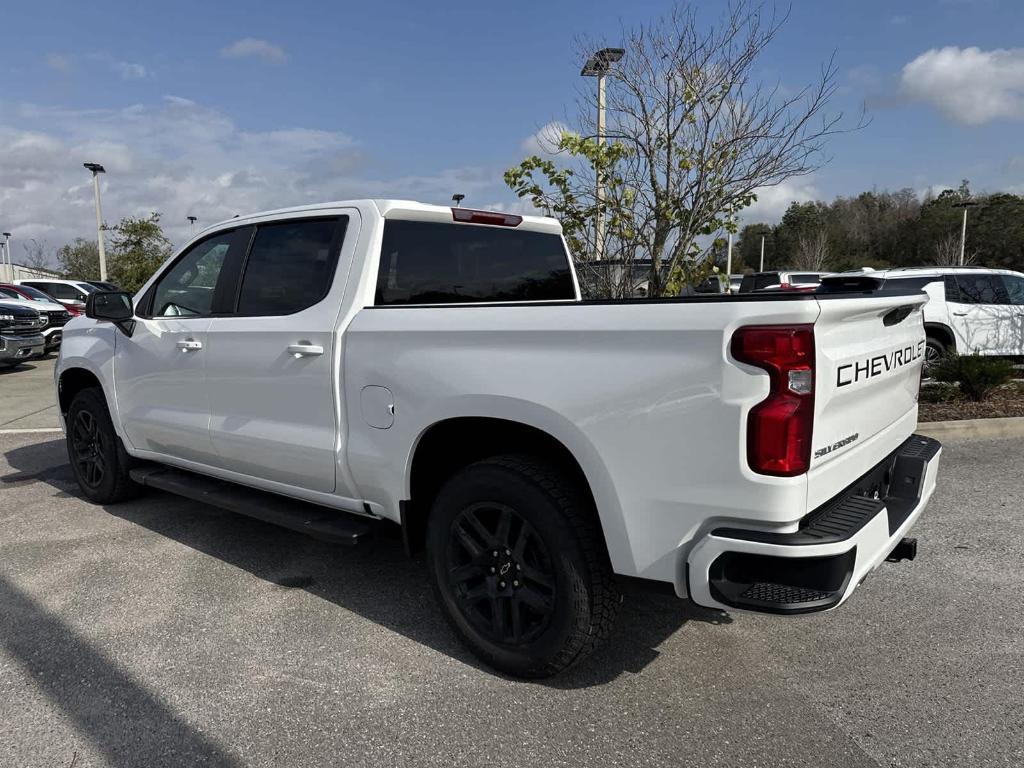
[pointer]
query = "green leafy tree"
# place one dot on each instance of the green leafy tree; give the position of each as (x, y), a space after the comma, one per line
(699, 136)
(79, 260)
(137, 248)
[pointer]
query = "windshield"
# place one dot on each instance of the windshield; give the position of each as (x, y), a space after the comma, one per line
(7, 293)
(86, 287)
(35, 293)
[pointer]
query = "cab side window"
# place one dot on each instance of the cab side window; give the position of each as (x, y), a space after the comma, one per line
(187, 288)
(290, 266)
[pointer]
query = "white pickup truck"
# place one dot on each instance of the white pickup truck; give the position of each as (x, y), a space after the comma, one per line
(329, 367)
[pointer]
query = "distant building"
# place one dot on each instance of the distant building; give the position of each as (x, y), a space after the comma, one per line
(21, 272)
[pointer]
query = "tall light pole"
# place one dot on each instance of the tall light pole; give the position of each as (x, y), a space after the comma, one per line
(965, 204)
(728, 267)
(97, 169)
(10, 262)
(598, 66)
(762, 254)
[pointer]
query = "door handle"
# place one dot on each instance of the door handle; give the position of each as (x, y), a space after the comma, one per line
(189, 345)
(960, 314)
(303, 349)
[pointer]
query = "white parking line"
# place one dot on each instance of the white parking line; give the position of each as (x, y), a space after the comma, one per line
(41, 431)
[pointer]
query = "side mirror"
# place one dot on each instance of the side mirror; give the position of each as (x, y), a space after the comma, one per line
(114, 306)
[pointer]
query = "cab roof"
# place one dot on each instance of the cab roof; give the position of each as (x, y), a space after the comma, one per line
(401, 209)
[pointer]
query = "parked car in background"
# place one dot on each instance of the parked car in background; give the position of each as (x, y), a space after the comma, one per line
(21, 336)
(70, 293)
(972, 310)
(435, 367)
(56, 314)
(781, 281)
(36, 295)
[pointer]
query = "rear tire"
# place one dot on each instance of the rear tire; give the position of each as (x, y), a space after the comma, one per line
(98, 459)
(520, 567)
(934, 351)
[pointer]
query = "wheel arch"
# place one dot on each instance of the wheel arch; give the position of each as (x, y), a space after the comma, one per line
(942, 332)
(449, 444)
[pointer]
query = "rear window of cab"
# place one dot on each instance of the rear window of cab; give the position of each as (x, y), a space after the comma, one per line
(436, 263)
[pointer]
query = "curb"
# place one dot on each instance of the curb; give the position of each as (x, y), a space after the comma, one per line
(973, 429)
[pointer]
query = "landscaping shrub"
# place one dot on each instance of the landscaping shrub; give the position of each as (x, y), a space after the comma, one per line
(977, 376)
(939, 392)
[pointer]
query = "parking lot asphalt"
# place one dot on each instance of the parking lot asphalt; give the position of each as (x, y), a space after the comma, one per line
(163, 632)
(27, 398)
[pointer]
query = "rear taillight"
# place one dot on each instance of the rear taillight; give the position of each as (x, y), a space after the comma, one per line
(779, 428)
(470, 216)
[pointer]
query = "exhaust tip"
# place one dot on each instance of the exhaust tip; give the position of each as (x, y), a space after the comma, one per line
(905, 550)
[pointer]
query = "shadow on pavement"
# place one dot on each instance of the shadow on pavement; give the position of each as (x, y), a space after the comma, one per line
(124, 720)
(10, 369)
(374, 579)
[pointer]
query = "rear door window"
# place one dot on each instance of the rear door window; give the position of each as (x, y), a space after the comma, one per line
(808, 277)
(290, 266)
(435, 263)
(981, 289)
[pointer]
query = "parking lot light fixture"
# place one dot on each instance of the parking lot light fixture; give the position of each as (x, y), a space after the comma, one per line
(457, 198)
(192, 224)
(599, 65)
(97, 169)
(965, 204)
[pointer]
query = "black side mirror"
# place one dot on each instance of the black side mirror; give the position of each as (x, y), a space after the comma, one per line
(114, 306)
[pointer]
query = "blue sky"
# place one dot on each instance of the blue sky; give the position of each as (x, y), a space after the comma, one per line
(221, 107)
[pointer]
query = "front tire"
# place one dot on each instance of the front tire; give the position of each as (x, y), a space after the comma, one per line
(98, 460)
(520, 567)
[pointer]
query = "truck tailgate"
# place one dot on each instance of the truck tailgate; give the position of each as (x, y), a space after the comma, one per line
(869, 352)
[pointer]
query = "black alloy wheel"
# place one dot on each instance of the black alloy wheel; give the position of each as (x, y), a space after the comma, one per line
(98, 459)
(500, 573)
(519, 565)
(88, 449)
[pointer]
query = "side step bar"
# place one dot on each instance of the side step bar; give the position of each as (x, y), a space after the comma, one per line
(316, 521)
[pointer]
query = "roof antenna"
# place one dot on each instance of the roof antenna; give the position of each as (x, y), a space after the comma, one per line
(457, 198)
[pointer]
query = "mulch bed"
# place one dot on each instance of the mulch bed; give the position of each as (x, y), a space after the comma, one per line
(1006, 401)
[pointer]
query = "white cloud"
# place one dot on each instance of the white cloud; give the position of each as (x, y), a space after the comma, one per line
(773, 201)
(130, 71)
(545, 140)
(182, 158)
(251, 47)
(968, 85)
(58, 62)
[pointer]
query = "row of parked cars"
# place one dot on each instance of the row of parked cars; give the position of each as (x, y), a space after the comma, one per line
(33, 314)
(971, 310)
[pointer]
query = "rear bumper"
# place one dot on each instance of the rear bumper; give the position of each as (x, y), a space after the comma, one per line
(818, 566)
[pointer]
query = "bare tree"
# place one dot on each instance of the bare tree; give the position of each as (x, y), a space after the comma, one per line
(37, 254)
(947, 252)
(702, 135)
(811, 253)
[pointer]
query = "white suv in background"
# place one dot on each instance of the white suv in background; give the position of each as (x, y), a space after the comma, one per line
(67, 292)
(973, 310)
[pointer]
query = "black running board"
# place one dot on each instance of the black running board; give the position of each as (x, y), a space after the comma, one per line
(316, 521)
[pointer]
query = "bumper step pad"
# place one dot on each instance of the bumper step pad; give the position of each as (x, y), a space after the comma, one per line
(793, 584)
